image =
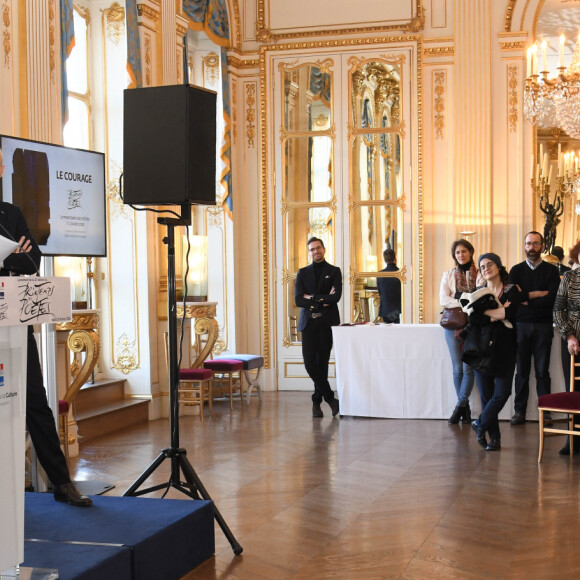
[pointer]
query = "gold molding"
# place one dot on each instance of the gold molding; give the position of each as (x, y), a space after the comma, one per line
(265, 35)
(439, 83)
(6, 34)
(250, 113)
(82, 320)
(264, 164)
(210, 63)
(234, 115)
(513, 45)
(51, 39)
(147, 60)
(125, 355)
(145, 10)
(512, 97)
(114, 22)
(439, 51)
(509, 12)
(238, 63)
(197, 309)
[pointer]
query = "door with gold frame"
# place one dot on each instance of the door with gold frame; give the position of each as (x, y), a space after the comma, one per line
(341, 155)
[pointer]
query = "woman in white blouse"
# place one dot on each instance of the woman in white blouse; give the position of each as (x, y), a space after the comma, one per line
(463, 277)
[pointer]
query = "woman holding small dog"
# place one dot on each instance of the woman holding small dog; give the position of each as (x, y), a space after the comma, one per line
(490, 345)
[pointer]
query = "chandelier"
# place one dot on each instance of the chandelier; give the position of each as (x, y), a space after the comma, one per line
(553, 100)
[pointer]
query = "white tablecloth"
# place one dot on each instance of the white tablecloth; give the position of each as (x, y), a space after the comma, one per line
(404, 371)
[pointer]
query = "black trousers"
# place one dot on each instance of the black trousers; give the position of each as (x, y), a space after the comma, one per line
(316, 347)
(40, 420)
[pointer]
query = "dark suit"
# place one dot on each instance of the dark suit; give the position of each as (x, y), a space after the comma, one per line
(39, 418)
(317, 317)
(390, 293)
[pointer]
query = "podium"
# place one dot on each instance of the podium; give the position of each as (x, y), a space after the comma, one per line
(24, 301)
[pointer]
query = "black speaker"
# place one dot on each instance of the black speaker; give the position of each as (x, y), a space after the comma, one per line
(169, 145)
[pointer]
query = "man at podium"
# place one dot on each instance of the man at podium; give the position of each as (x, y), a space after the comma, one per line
(39, 418)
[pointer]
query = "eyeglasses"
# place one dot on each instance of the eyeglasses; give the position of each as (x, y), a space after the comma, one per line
(535, 244)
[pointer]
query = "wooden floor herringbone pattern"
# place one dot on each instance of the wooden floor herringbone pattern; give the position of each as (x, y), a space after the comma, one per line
(360, 498)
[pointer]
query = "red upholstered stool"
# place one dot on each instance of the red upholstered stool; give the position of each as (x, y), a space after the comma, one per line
(227, 377)
(63, 408)
(196, 387)
(568, 403)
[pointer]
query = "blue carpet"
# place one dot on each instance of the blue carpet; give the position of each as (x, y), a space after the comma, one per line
(167, 538)
(80, 562)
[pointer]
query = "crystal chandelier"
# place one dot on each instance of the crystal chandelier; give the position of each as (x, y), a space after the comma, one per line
(553, 101)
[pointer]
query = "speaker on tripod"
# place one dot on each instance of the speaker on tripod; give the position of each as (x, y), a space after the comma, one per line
(169, 159)
(169, 146)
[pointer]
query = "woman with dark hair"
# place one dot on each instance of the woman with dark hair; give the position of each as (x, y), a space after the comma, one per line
(567, 320)
(494, 368)
(463, 277)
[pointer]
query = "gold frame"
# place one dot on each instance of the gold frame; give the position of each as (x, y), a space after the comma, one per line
(356, 63)
(268, 177)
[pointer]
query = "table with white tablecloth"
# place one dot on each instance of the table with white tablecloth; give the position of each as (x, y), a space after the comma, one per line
(404, 371)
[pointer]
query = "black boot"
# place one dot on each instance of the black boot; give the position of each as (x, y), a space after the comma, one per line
(466, 417)
(480, 433)
(456, 415)
(494, 444)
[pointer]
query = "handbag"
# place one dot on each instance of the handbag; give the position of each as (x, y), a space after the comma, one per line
(453, 318)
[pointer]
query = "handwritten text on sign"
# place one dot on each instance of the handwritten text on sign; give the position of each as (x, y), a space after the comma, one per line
(34, 300)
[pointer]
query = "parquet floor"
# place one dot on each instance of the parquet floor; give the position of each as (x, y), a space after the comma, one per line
(363, 498)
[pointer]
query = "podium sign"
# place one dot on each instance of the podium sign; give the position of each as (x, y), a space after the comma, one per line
(34, 300)
(23, 301)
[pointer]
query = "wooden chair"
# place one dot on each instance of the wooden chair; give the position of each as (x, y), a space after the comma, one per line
(195, 386)
(567, 403)
(253, 363)
(227, 377)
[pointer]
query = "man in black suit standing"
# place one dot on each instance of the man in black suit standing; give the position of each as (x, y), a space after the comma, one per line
(390, 290)
(317, 291)
(39, 418)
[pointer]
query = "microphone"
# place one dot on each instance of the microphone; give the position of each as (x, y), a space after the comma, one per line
(25, 253)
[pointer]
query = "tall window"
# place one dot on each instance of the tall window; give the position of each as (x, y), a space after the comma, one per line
(77, 131)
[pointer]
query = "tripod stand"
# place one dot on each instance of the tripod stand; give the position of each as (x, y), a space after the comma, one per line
(192, 486)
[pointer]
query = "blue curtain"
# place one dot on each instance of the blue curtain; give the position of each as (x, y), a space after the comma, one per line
(67, 42)
(133, 44)
(211, 16)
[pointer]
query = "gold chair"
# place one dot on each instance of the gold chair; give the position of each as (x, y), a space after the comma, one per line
(227, 377)
(567, 403)
(195, 386)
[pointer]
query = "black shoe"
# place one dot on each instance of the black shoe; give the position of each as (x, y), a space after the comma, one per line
(456, 415)
(466, 417)
(68, 493)
(566, 449)
(494, 444)
(518, 419)
(316, 410)
(480, 433)
(334, 406)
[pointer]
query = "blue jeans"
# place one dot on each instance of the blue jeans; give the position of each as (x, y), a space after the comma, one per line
(534, 339)
(462, 373)
(494, 393)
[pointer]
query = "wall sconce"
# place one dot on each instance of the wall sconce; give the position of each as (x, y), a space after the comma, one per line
(196, 280)
(76, 270)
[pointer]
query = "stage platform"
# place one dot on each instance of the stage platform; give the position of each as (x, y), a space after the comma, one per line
(118, 538)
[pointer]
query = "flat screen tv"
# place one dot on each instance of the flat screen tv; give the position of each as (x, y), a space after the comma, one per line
(61, 192)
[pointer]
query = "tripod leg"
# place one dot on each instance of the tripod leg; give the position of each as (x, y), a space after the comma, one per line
(158, 461)
(194, 481)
